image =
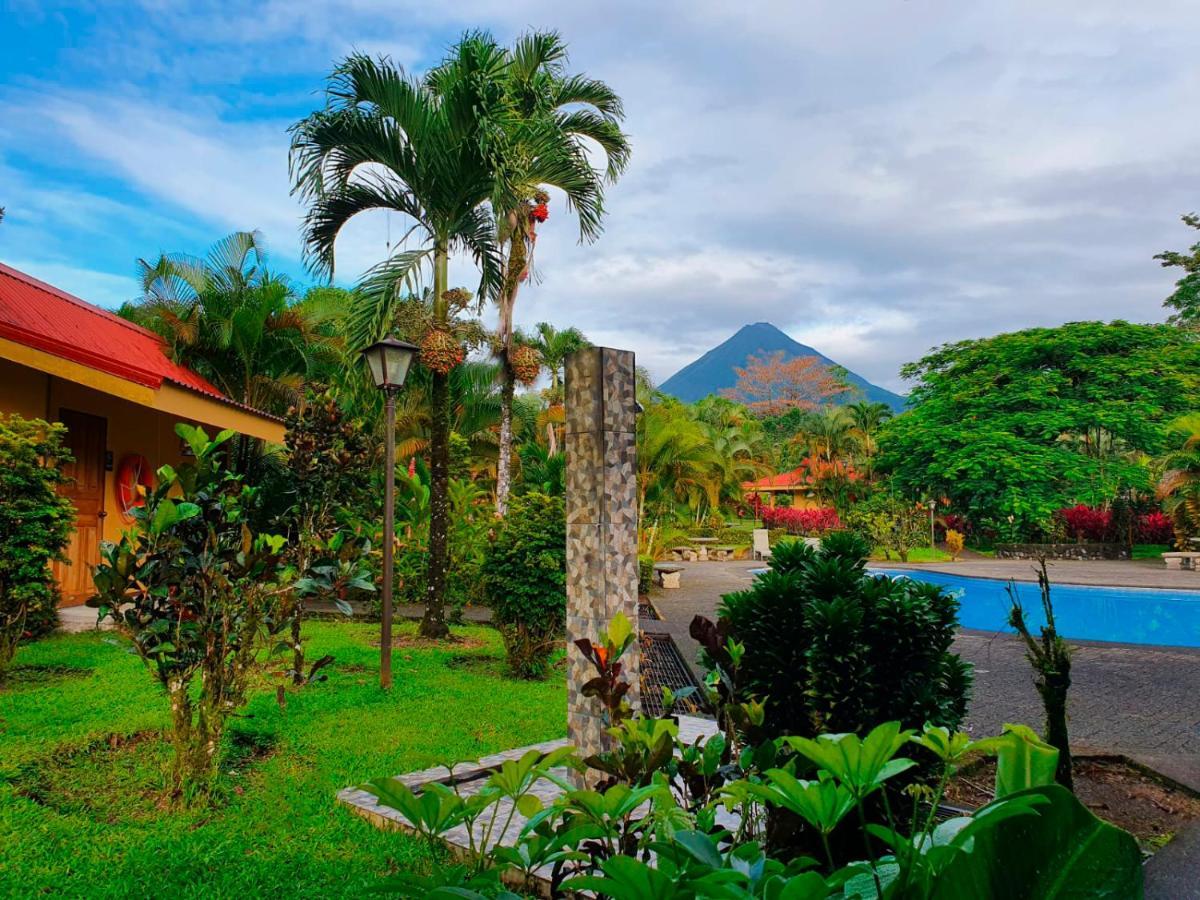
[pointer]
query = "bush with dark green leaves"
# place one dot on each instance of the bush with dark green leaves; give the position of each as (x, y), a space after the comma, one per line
(645, 574)
(525, 578)
(35, 525)
(832, 648)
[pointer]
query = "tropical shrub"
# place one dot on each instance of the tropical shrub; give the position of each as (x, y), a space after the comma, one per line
(645, 574)
(954, 543)
(471, 519)
(524, 575)
(327, 465)
(196, 591)
(829, 647)
(1155, 528)
(891, 523)
(35, 526)
(1087, 523)
(808, 522)
(650, 828)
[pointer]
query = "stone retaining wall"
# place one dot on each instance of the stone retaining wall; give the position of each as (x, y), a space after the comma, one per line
(1062, 551)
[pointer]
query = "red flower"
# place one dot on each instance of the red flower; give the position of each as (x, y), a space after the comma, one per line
(540, 213)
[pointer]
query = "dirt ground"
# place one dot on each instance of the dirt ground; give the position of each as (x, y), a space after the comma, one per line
(1150, 809)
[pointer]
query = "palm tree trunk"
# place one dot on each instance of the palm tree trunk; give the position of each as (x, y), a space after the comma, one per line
(504, 462)
(433, 625)
(514, 265)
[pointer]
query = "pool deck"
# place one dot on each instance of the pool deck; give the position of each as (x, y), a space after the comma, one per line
(1137, 573)
(1139, 701)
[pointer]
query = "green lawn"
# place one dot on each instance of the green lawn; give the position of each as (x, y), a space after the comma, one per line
(81, 767)
(915, 555)
(1149, 551)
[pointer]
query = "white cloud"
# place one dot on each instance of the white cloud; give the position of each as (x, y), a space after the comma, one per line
(875, 179)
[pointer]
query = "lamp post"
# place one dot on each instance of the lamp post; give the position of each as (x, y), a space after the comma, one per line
(932, 507)
(388, 361)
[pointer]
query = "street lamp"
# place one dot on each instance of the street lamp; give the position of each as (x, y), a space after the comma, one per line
(388, 361)
(932, 541)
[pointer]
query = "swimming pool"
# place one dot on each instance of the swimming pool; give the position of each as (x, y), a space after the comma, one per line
(1125, 615)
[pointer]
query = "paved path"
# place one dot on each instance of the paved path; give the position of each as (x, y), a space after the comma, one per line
(1136, 700)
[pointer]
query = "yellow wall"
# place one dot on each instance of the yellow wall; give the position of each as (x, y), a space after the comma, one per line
(132, 428)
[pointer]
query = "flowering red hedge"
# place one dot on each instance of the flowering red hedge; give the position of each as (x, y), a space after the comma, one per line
(811, 522)
(1086, 523)
(1155, 528)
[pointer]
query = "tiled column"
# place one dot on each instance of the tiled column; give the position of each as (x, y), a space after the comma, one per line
(602, 576)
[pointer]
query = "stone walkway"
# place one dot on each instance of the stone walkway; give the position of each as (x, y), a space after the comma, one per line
(1136, 700)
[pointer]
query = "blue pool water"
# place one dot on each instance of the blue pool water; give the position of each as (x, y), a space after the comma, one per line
(1125, 615)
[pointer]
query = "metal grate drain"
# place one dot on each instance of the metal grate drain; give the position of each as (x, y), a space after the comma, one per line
(663, 665)
(646, 610)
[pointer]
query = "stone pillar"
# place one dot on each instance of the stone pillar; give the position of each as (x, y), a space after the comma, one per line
(602, 571)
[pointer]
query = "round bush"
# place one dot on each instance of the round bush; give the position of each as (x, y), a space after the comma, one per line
(831, 648)
(525, 578)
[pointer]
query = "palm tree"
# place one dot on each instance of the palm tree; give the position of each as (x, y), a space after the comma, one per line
(425, 149)
(1179, 485)
(556, 117)
(866, 418)
(231, 320)
(555, 346)
(831, 433)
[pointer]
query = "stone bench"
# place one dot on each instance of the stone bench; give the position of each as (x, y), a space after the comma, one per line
(686, 554)
(1183, 560)
(722, 553)
(667, 575)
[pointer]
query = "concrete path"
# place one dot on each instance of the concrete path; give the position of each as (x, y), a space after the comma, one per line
(1145, 573)
(1137, 700)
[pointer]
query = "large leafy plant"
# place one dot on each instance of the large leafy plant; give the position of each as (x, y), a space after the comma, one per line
(35, 525)
(327, 466)
(525, 577)
(197, 592)
(630, 841)
(830, 647)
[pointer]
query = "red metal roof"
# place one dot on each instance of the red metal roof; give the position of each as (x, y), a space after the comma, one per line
(806, 473)
(41, 316)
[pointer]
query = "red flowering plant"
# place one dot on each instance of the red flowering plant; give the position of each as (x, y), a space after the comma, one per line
(1155, 528)
(1086, 523)
(809, 522)
(605, 655)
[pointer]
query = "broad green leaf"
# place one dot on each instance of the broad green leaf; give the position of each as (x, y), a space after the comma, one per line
(1061, 852)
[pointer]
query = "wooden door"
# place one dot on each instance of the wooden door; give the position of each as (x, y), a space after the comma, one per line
(87, 436)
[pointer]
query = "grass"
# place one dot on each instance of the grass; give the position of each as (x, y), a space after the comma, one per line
(1149, 551)
(915, 555)
(82, 759)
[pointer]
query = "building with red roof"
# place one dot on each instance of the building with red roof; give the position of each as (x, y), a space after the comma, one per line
(119, 394)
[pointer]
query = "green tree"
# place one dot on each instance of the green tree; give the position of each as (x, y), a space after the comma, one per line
(431, 150)
(867, 418)
(994, 422)
(556, 118)
(555, 345)
(230, 319)
(35, 524)
(1185, 299)
(196, 591)
(1179, 483)
(525, 576)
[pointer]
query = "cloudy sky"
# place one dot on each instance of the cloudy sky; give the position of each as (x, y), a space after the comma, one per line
(875, 177)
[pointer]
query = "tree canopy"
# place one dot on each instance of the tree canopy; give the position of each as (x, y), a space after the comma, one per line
(1019, 424)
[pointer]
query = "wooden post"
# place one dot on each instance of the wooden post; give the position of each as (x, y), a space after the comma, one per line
(602, 571)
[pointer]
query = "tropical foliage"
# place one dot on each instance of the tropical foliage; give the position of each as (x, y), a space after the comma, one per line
(830, 648)
(524, 575)
(196, 591)
(35, 526)
(1013, 427)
